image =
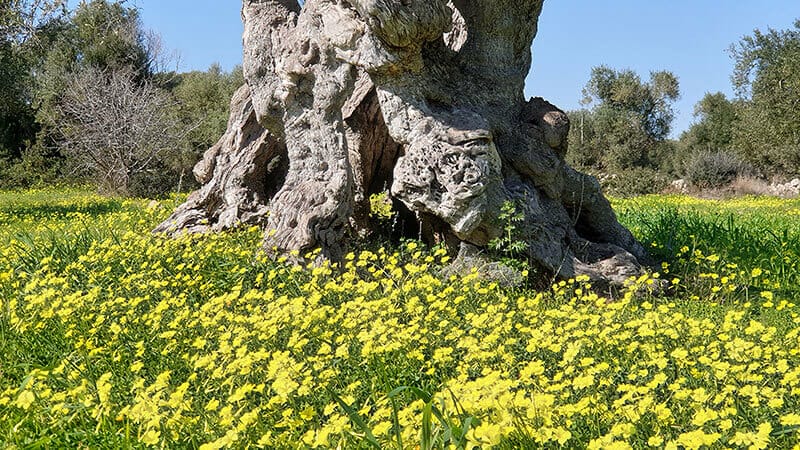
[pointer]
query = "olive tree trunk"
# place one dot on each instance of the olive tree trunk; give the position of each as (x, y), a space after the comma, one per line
(423, 97)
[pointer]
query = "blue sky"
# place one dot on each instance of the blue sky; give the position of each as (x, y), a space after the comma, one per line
(687, 37)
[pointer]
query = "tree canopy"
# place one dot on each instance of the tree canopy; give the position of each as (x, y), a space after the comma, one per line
(716, 119)
(629, 119)
(624, 93)
(767, 83)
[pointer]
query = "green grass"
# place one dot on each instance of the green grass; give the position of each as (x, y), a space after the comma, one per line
(750, 232)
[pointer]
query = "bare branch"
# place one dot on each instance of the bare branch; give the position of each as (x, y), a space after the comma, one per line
(116, 129)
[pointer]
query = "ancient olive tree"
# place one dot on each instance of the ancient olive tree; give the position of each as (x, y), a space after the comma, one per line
(426, 97)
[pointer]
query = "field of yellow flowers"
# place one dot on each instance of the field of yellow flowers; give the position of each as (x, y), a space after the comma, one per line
(113, 338)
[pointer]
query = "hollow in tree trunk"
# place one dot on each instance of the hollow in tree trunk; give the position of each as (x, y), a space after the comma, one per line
(423, 97)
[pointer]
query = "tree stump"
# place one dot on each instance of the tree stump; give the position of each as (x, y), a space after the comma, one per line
(425, 97)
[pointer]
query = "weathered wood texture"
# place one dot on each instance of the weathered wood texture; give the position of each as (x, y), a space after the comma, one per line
(422, 96)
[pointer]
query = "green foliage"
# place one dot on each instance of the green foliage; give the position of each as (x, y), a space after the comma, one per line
(622, 141)
(669, 158)
(511, 245)
(628, 124)
(52, 45)
(203, 99)
(717, 118)
(99, 34)
(39, 165)
(25, 29)
(761, 125)
(767, 81)
(104, 39)
(108, 35)
(202, 103)
(631, 119)
(19, 44)
(583, 153)
(448, 431)
(650, 104)
(17, 121)
(753, 233)
(45, 52)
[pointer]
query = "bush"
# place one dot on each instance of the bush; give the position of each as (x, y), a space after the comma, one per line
(37, 166)
(713, 169)
(634, 181)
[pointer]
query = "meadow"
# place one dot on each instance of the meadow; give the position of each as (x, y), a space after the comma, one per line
(114, 338)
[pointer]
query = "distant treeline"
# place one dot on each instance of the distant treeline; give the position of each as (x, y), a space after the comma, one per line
(622, 134)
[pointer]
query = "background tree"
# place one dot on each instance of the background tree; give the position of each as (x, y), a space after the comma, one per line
(104, 43)
(709, 157)
(17, 119)
(583, 151)
(20, 25)
(717, 117)
(767, 82)
(630, 117)
(48, 52)
(20, 19)
(624, 136)
(98, 34)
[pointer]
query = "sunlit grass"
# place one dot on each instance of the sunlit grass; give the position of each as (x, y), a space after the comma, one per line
(114, 338)
(749, 232)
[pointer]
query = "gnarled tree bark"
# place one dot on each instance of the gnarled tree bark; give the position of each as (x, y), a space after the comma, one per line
(423, 96)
